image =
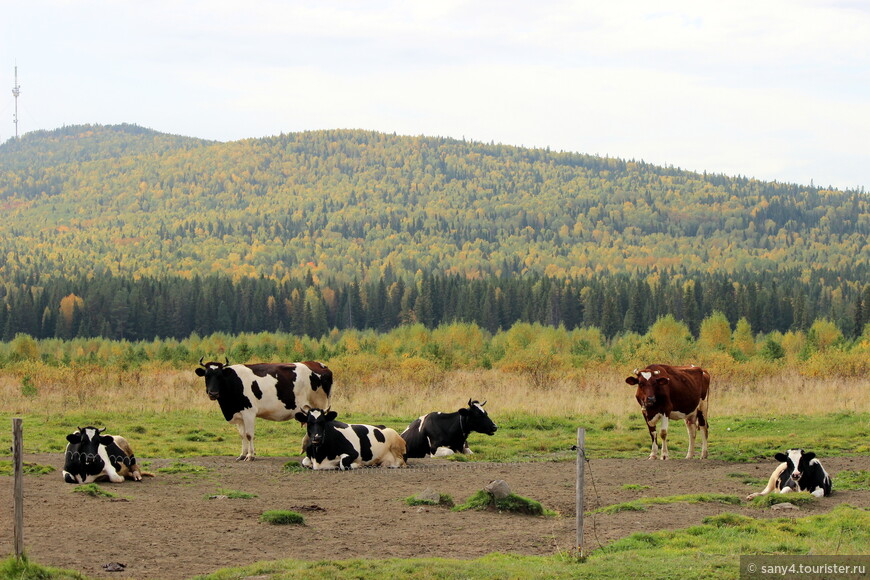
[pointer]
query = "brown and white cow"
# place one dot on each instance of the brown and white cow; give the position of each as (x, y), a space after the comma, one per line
(667, 392)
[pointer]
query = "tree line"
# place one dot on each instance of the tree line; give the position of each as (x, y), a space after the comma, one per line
(126, 308)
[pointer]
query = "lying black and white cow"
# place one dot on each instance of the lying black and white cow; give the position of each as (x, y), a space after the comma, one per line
(270, 391)
(799, 471)
(331, 444)
(91, 456)
(438, 434)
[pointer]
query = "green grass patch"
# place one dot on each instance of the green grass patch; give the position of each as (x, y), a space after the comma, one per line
(282, 517)
(27, 468)
(642, 503)
(634, 487)
(93, 490)
(797, 498)
(182, 467)
(231, 494)
(23, 569)
(483, 500)
(294, 467)
(853, 480)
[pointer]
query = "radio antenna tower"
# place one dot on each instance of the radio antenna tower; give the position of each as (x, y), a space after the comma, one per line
(16, 90)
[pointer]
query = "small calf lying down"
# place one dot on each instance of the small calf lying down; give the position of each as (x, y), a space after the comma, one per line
(799, 471)
(91, 456)
(331, 444)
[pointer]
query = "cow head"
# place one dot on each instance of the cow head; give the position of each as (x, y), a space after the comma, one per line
(84, 448)
(476, 418)
(648, 384)
(317, 421)
(798, 461)
(213, 373)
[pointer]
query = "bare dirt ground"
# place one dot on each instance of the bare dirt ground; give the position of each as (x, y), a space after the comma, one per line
(167, 527)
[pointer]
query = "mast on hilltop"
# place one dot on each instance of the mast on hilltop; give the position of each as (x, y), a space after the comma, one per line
(16, 90)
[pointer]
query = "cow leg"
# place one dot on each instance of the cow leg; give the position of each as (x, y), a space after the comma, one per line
(771, 483)
(702, 423)
(663, 433)
(651, 425)
(692, 428)
(346, 461)
(245, 425)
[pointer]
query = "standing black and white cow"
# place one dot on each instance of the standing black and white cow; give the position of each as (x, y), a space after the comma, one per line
(270, 391)
(91, 456)
(438, 434)
(331, 444)
(799, 471)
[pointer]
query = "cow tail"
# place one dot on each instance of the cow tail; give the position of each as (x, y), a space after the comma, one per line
(702, 416)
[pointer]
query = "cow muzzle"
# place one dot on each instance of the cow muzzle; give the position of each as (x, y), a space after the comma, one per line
(796, 475)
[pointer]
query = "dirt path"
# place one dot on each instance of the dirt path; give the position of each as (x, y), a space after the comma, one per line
(166, 527)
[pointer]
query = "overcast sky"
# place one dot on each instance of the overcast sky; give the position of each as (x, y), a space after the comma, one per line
(772, 89)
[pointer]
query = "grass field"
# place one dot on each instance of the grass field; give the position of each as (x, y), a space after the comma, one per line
(166, 414)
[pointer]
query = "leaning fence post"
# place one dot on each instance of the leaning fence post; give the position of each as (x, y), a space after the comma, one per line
(581, 469)
(17, 490)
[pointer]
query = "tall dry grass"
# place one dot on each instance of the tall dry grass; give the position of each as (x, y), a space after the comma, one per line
(414, 387)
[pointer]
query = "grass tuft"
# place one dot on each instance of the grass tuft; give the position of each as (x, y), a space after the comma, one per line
(853, 480)
(798, 498)
(231, 494)
(282, 517)
(484, 500)
(6, 468)
(93, 490)
(182, 467)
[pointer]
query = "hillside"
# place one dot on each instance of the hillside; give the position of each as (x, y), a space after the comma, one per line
(353, 228)
(347, 204)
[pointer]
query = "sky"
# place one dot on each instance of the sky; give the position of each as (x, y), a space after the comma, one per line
(769, 89)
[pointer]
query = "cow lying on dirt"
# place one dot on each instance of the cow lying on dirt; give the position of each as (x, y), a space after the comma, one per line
(799, 471)
(91, 456)
(439, 434)
(331, 444)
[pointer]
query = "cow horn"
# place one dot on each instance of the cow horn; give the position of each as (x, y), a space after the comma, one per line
(634, 372)
(101, 430)
(227, 363)
(483, 403)
(469, 402)
(202, 364)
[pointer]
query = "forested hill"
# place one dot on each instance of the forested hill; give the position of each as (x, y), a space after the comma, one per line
(340, 207)
(347, 204)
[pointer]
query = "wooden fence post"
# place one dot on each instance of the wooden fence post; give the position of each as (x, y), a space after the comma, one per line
(581, 470)
(17, 490)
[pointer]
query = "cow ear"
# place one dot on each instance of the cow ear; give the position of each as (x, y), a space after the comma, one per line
(632, 380)
(464, 412)
(74, 437)
(810, 455)
(301, 417)
(661, 380)
(200, 371)
(107, 439)
(781, 457)
(331, 415)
